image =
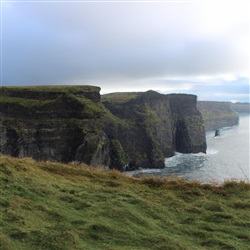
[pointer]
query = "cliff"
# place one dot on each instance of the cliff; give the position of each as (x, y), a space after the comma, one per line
(70, 123)
(50, 123)
(158, 125)
(217, 114)
(241, 107)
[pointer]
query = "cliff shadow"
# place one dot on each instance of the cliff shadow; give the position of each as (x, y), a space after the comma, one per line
(181, 137)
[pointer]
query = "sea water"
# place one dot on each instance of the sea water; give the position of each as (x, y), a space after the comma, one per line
(227, 157)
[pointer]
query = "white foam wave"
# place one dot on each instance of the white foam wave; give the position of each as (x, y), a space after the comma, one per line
(212, 152)
(150, 171)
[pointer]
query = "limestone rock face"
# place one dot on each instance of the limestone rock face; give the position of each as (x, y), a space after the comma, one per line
(124, 131)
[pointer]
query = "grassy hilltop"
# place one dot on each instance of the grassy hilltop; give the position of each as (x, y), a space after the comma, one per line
(48, 205)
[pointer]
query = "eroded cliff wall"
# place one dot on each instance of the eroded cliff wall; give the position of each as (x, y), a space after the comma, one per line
(71, 124)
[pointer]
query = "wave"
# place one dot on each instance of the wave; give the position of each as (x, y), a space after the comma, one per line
(150, 170)
(212, 151)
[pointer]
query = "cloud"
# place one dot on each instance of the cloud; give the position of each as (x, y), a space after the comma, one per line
(211, 88)
(124, 45)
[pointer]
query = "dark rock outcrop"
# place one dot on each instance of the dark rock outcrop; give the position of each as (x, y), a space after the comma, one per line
(69, 123)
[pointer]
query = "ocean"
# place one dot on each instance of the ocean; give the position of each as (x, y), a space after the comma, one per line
(227, 157)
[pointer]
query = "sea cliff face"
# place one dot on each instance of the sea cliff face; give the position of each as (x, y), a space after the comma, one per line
(72, 124)
(158, 125)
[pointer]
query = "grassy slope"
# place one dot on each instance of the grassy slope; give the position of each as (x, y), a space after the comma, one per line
(120, 97)
(53, 206)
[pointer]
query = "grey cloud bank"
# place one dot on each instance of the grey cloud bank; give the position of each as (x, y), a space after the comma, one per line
(190, 47)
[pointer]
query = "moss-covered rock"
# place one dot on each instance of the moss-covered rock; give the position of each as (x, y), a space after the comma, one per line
(94, 149)
(117, 155)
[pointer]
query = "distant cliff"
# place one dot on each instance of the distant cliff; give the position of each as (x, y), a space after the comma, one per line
(217, 114)
(70, 123)
(241, 107)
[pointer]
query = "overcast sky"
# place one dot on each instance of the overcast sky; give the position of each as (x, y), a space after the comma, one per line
(199, 47)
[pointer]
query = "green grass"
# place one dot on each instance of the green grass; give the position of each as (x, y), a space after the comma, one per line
(218, 116)
(48, 205)
(120, 97)
(66, 103)
(27, 103)
(49, 88)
